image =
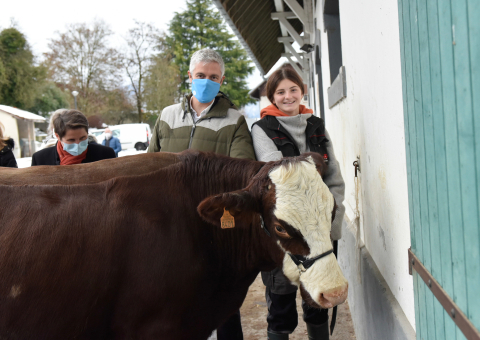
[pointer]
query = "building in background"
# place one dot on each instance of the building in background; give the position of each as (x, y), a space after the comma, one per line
(20, 126)
(395, 83)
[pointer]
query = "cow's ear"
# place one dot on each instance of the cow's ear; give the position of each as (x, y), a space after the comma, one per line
(240, 204)
(317, 159)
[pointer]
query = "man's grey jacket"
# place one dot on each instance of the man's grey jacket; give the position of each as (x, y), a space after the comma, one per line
(222, 130)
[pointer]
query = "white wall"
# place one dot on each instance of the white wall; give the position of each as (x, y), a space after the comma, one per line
(264, 102)
(369, 123)
(11, 130)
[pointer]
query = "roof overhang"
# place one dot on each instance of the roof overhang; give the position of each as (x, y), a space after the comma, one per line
(21, 114)
(259, 24)
(256, 92)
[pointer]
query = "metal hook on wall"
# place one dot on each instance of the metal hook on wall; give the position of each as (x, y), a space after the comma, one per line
(356, 164)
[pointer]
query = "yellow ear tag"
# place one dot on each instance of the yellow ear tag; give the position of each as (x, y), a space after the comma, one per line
(227, 221)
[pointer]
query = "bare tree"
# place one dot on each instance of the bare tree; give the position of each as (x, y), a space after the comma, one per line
(162, 84)
(81, 59)
(142, 40)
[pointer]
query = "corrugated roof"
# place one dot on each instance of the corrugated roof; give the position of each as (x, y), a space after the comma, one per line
(17, 113)
(254, 24)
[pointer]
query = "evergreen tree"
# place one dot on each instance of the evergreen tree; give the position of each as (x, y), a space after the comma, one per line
(201, 26)
(22, 83)
(48, 99)
(18, 74)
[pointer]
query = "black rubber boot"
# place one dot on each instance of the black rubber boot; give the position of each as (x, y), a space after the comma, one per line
(277, 336)
(318, 332)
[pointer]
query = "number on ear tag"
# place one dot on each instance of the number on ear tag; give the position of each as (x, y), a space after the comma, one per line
(227, 221)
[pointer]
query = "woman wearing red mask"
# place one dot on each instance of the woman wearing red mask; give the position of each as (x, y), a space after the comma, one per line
(289, 129)
(72, 147)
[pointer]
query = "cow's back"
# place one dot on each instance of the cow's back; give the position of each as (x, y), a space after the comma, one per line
(89, 172)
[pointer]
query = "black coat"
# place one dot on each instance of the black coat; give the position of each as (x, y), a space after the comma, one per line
(49, 156)
(7, 158)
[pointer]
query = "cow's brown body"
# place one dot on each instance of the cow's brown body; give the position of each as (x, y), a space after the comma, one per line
(87, 173)
(130, 257)
(125, 258)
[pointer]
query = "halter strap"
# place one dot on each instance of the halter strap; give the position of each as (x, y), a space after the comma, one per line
(303, 264)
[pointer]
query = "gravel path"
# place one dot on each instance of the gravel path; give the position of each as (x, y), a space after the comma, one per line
(254, 313)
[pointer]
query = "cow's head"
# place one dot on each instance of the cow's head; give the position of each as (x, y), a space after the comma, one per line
(297, 207)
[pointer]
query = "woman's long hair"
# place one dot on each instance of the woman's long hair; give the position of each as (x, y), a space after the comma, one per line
(3, 139)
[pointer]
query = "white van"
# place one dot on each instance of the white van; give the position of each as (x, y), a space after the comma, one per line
(130, 135)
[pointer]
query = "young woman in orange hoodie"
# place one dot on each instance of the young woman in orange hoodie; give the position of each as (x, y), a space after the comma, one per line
(288, 129)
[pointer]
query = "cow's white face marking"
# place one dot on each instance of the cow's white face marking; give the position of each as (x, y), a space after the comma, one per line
(15, 291)
(305, 202)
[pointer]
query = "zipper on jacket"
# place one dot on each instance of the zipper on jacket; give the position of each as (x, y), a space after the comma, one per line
(195, 125)
(191, 134)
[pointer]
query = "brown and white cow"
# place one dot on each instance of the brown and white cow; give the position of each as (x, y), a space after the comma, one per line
(144, 256)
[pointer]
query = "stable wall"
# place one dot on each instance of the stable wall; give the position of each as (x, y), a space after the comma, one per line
(368, 124)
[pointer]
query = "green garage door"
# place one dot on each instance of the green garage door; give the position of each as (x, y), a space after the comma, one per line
(440, 46)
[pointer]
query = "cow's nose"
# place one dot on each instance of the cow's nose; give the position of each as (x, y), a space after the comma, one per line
(333, 297)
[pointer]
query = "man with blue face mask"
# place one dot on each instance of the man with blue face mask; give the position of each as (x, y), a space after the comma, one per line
(206, 119)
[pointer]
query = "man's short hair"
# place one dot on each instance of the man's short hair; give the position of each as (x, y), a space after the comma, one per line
(206, 56)
(64, 120)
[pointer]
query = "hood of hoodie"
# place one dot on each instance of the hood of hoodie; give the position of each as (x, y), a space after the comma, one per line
(272, 110)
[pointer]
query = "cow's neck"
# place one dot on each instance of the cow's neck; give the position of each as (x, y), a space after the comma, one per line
(246, 249)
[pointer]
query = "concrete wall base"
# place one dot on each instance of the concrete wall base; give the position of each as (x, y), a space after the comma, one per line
(375, 312)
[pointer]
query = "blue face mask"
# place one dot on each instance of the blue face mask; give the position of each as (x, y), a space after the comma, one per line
(205, 90)
(76, 149)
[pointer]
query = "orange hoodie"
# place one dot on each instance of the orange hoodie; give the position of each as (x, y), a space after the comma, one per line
(272, 110)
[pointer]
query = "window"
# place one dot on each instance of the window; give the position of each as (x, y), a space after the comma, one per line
(318, 71)
(331, 22)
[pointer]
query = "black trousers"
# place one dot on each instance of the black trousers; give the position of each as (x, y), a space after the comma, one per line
(282, 312)
(231, 329)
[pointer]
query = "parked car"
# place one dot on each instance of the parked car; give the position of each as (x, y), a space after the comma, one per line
(130, 135)
(96, 132)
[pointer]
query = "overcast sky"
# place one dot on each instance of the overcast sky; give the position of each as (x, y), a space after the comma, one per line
(39, 20)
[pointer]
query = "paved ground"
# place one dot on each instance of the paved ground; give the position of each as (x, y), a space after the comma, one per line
(254, 312)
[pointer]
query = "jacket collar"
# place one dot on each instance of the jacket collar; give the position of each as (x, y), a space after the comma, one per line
(313, 123)
(219, 108)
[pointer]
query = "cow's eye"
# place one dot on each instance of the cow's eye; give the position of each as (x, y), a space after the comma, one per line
(281, 231)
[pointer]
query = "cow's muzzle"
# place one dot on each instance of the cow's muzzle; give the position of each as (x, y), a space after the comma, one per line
(326, 299)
